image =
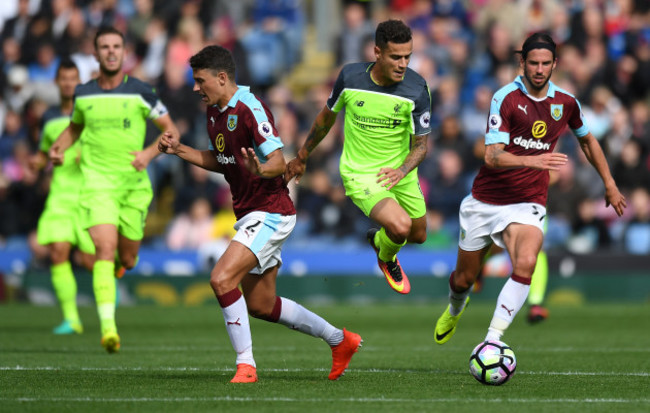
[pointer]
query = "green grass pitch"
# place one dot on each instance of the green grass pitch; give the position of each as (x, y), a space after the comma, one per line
(594, 357)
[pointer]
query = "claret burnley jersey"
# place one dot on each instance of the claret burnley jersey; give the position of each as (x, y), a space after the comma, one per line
(527, 126)
(379, 120)
(246, 122)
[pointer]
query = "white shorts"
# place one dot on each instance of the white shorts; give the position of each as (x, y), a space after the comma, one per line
(481, 223)
(264, 234)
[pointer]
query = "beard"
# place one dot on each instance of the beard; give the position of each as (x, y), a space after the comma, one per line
(534, 86)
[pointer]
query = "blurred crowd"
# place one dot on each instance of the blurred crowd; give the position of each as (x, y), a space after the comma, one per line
(463, 48)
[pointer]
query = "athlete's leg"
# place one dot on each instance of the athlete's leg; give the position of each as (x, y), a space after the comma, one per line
(230, 269)
(104, 237)
(418, 232)
(538, 283)
(468, 266)
(523, 243)
(65, 287)
(263, 303)
(396, 227)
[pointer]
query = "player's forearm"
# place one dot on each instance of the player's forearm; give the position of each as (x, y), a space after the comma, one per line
(416, 155)
(204, 159)
(322, 125)
(66, 139)
(594, 154)
(497, 158)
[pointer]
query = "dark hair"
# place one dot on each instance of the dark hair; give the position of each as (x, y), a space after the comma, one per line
(214, 58)
(66, 63)
(107, 30)
(394, 31)
(537, 41)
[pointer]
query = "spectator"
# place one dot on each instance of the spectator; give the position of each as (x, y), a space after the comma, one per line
(636, 236)
(191, 229)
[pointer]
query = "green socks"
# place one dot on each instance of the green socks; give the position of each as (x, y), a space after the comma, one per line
(65, 287)
(104, 288)
(539, 280)
(387, 248)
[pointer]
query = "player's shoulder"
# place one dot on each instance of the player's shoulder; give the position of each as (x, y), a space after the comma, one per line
(505, 91)
(135, 85)
(351, 71)
(53, 112)
(414, 79)
(85, 89)
(562, 94)
(249, 101)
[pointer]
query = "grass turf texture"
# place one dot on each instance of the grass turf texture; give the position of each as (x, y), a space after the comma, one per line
(589, 358)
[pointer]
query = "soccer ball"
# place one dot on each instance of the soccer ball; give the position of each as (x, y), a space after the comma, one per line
(492, 362)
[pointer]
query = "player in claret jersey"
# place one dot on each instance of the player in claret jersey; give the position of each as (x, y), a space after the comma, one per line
(246, 149)
(506, 206)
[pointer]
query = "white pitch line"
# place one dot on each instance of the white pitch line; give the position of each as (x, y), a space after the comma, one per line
(299, 370)
(316, 400)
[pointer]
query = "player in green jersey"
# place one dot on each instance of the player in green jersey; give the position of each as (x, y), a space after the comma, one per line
(112, 112)
(59, 227)
(387, 112)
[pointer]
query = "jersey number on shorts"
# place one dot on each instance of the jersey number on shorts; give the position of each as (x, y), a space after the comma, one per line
(250, 230)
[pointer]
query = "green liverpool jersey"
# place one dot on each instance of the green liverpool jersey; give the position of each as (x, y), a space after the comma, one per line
(66, 178)
(379, 120)
(115, 123)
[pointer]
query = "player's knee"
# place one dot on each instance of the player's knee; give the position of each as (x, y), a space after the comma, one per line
(221, 283)
(462, 281)
(525, 264)
(418, 236)
(400, 227)
(128, 261)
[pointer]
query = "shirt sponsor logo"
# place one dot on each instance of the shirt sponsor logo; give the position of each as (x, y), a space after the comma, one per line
(220, 142)
(531, 143)
(225, 160)
(539, 129)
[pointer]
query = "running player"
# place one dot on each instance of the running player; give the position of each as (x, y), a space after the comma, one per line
(506, 206)
(387, 113)
(246, 149)
(112, 112)
(59, 227)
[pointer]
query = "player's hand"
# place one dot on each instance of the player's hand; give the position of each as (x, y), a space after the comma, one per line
(389, 177)
(251, 161)
(140, 160)
(614, 198)
(295, 167)
(168, 143)
(55, 155)
(549, 161)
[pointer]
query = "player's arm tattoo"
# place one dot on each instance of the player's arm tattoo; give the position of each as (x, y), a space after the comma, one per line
(494, 156)
(416, 154)
(322, 125)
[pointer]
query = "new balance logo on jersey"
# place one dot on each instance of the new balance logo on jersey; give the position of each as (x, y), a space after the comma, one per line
(359, 103)
(531, 143)
(225, 160)
(523, 108)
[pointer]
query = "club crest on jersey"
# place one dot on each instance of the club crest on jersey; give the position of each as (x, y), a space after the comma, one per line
(556, 111)
(232, 122)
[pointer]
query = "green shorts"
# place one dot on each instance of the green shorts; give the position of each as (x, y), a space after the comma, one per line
(126, 209)
(365, 192)
(64, 227)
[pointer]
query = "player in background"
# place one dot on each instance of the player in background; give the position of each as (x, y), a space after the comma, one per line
(60, 227)
(387, 113)
(506, 206)
(112, 112)
(246, 149)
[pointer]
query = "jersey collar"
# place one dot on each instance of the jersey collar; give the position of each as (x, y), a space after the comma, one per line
(235, 98)
(519, 81)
